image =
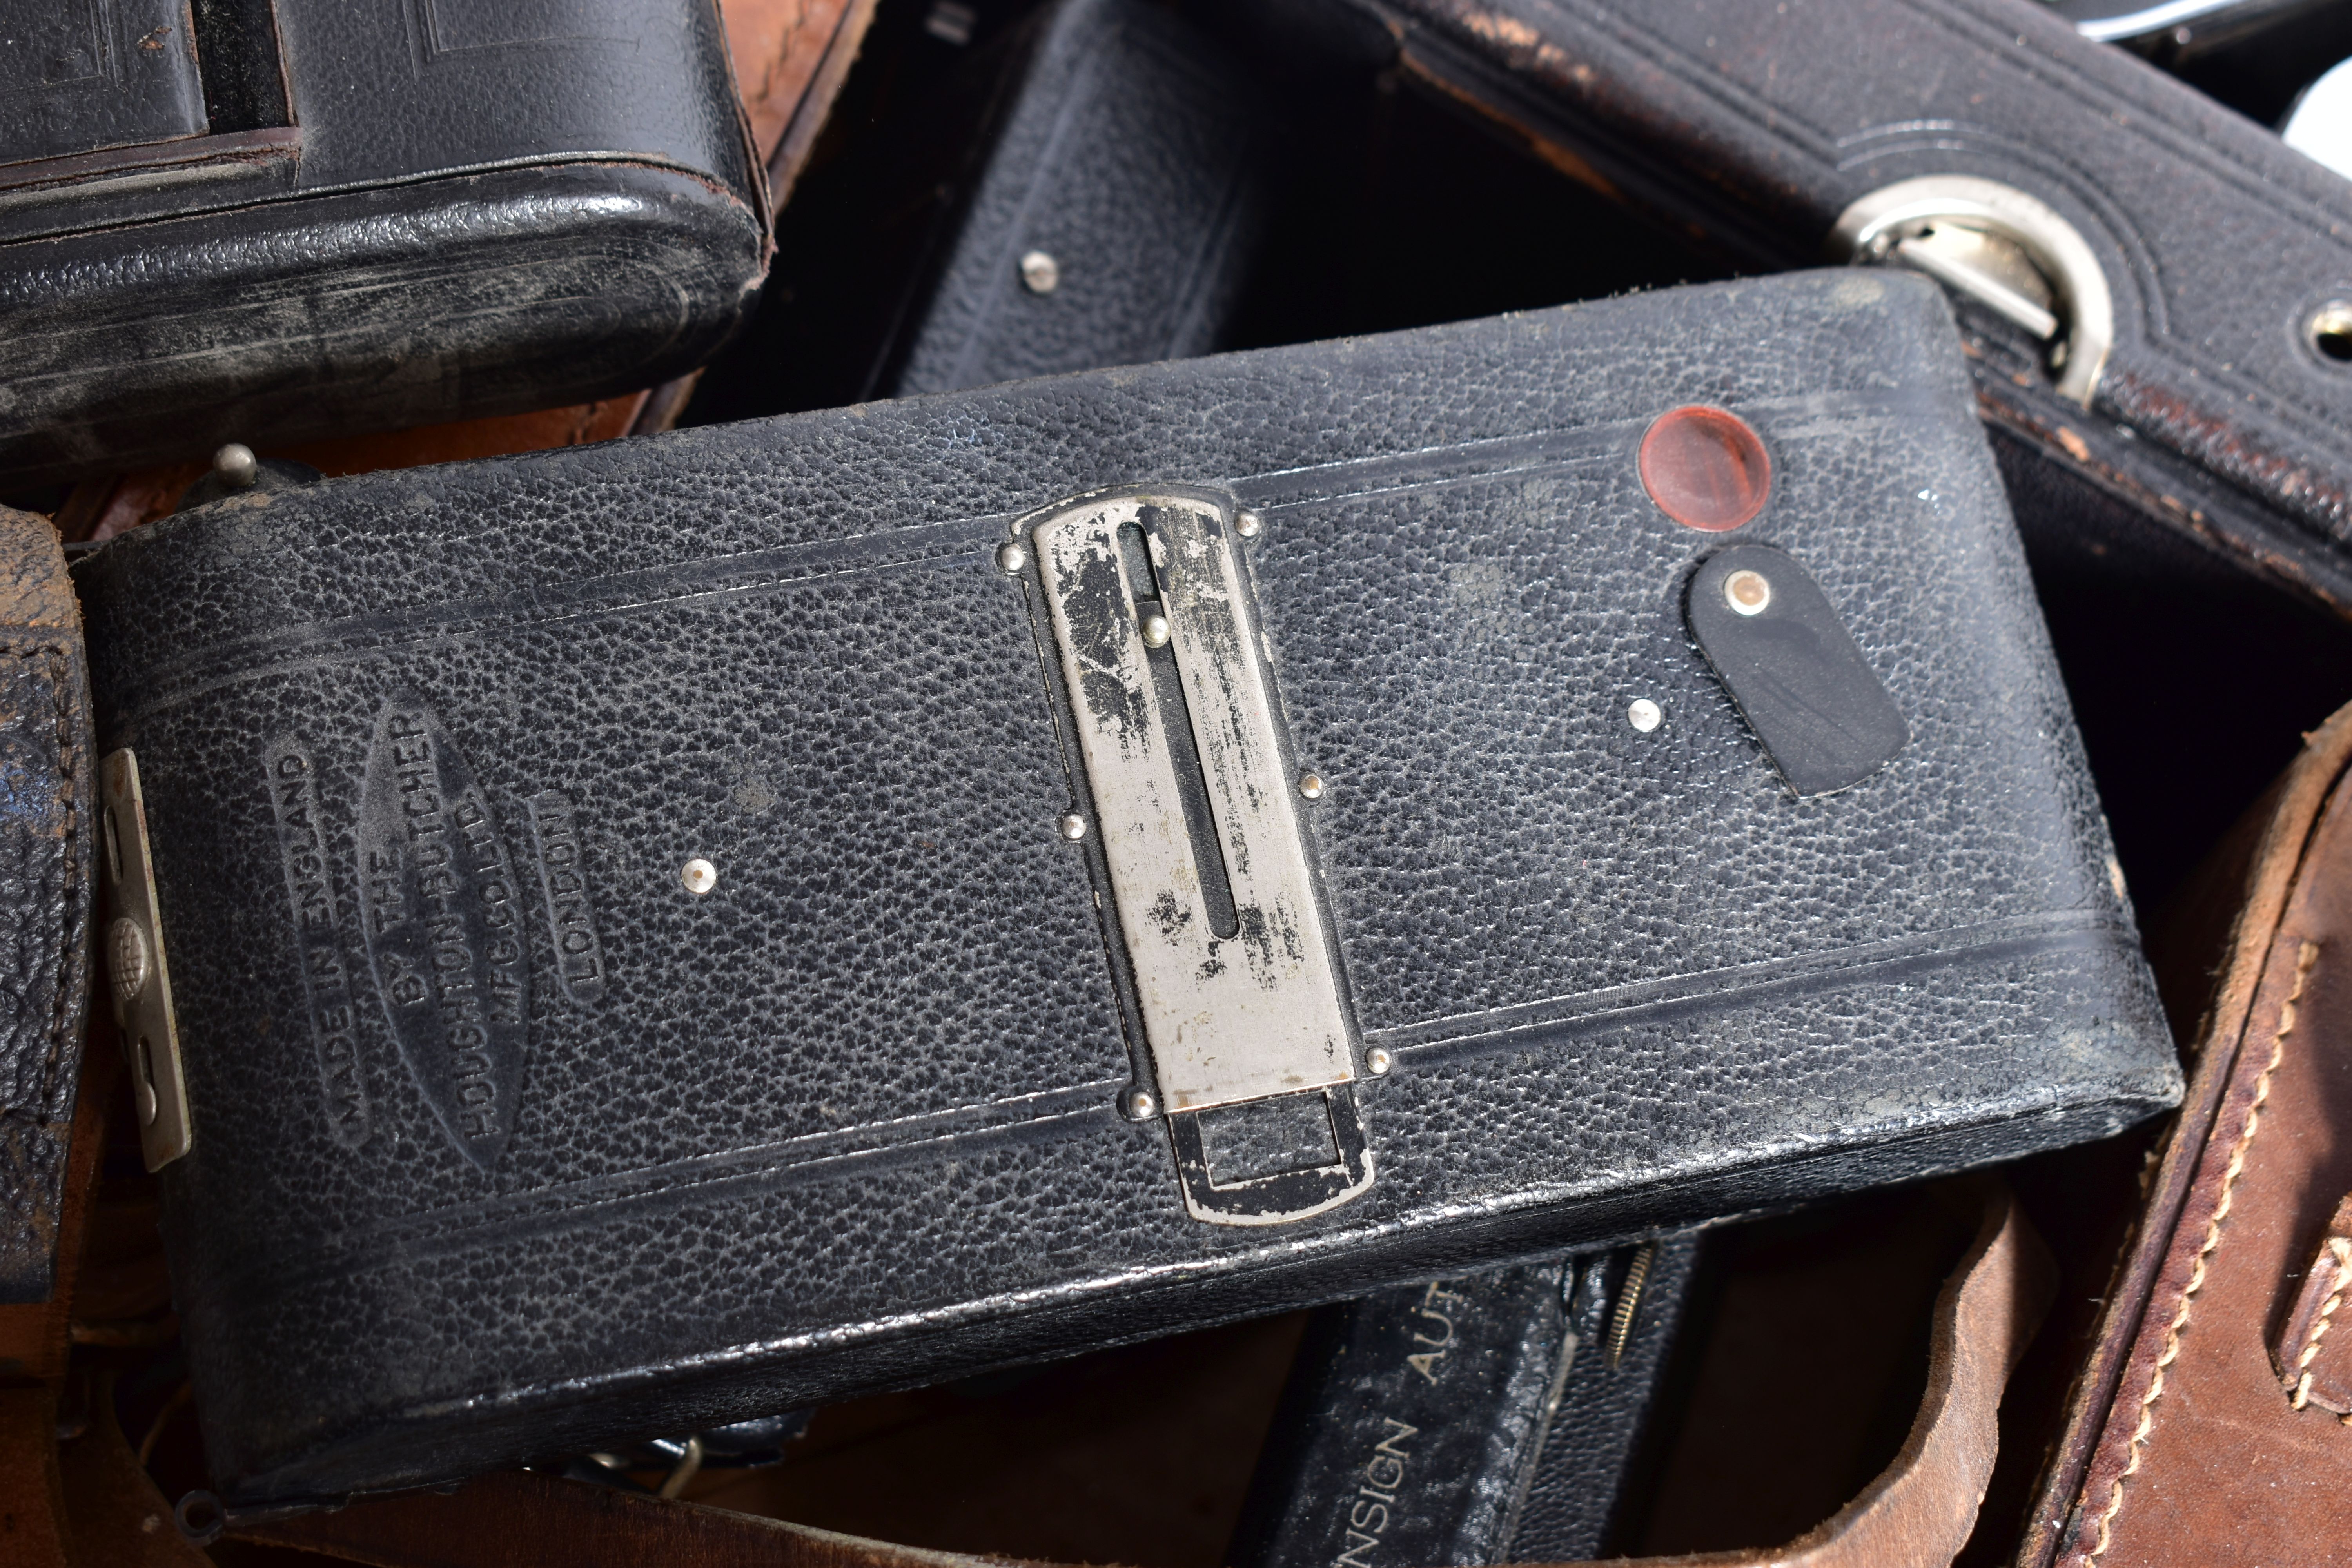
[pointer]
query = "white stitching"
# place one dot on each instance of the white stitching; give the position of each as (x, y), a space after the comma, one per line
(2307, 955)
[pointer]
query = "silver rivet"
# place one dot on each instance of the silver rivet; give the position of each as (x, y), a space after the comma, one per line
(1311, 785)
(1074, 826)
(1377, 1061)
(1011, 556)
(1155, 631)
(1644, 714)
(1040, 273)
(1249, 524)
(2330, 330)
(1747, 592)
(1142, 1106)
(236, 465)
(699, 876)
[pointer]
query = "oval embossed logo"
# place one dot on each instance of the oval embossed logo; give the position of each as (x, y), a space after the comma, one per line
(443, 918)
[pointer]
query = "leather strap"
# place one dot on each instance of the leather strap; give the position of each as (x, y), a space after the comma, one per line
(2207, 1431)
(1917, 1514)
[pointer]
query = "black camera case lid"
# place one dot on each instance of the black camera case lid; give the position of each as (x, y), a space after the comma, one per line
(286, 219)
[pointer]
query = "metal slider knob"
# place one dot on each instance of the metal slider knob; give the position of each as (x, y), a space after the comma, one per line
(2008, 251)
(138, 973)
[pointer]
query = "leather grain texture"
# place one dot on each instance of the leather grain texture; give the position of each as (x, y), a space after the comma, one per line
(476, 209)
(851, 1118)
(2191, 1439)
(1758, 124)
(82, 77)
(46, 844)
(1919, 1511)
(1129, 151)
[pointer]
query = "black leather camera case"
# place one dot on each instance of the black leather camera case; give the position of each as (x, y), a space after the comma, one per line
(669, 931)
(303, 218)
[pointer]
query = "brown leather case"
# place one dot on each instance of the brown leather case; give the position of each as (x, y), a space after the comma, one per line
(2209, 1427)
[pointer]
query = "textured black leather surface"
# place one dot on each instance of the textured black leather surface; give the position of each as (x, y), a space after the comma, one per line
(77, 75)
(852, 1119)
(1465, 1421)
(1129, 151)
(46, 843)
(477, 207)
(1758, 124)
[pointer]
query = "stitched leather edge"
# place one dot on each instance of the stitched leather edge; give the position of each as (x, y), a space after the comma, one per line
(2288, 818)
(2342, 1249)
(2306, 956)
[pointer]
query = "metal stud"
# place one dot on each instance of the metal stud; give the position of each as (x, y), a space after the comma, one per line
(1747, 591)
(1011, 556)
(1142, 1106)
(1155, 631)
(1644, 714)
(1249, 524)
(1040, 273)
(236, 465)
(2330, 332)
(1311, 785)
(1377, 1061)
(1074, 826)
(699, 876)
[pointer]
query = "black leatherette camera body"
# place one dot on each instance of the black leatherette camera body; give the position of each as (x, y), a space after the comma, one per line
(657, 942)
(306, 217)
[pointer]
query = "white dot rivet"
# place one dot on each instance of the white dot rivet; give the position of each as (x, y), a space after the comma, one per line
(1142, 1106)
(1747, 591)
(1645, 715)
(1010, 557)
(1155, 631)
(1040, 273)
(1377, 1061)
(1074, 827)
(699, 876)
(1248, 524)
(1311, 785)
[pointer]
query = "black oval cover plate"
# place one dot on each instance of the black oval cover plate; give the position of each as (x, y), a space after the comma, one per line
(1794, 673)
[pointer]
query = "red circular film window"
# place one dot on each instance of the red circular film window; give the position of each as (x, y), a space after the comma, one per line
(1706, 467)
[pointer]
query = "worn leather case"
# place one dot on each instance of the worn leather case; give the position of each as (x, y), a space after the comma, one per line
(823, 905)
(301, 217)
(1493, 1418)
(2197, 268)
(47, 853)
(2210, 1424)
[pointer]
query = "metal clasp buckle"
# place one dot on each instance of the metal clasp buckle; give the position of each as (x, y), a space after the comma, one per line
(2008, 250)
(1235, 980)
